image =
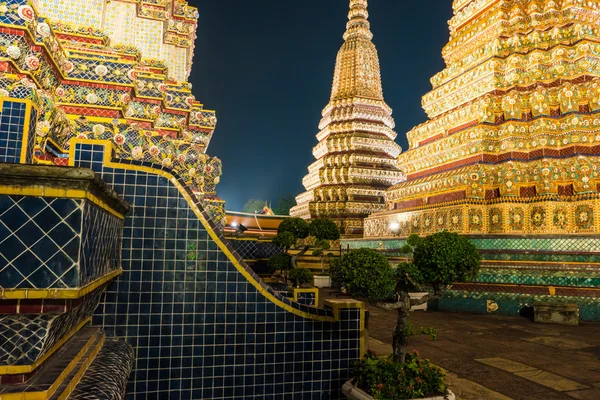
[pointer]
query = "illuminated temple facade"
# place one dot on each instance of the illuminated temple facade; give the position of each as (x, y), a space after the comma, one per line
(113, 70)
(115, 279)
(510, 154)
(356, 155)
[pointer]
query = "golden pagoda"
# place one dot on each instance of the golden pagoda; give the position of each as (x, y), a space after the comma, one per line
(510, 158)
(356, 155)
(513, 139)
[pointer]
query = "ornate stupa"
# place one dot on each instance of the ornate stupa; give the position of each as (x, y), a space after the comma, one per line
(512, 143)
(356, 155)
(510, 156)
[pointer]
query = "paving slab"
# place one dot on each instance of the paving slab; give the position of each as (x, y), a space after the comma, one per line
(563, 362)
(506, 365)
(558, 342)
(551, 380)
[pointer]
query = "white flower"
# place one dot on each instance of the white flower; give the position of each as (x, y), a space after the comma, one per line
(43, 29)
(101, 70)
(98, 129)
(91, 98)
(137, 152)
(13, 52)
(43, 128)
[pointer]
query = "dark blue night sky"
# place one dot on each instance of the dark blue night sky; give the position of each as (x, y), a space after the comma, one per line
(266, 66)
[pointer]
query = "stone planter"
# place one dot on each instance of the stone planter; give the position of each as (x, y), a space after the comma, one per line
(322, 281)
(353, 393)
(416, 296)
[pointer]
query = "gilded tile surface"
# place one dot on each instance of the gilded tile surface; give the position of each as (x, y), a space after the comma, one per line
(119, 22)
(77, 12)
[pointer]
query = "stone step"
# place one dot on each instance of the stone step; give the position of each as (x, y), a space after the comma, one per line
(60, 371)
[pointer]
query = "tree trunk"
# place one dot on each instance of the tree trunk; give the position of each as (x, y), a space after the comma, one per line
(400, 338)
(297, 256)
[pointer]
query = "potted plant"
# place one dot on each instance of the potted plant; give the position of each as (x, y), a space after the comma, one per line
(439, 260)
(324, 230)
(416, 378)
(300, 276)
(281, 262)
(292, 230)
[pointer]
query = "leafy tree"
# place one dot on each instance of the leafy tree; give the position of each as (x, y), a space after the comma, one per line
(281, 262)
(300, 276)
(446, 257)
(439, 260)
(364, 273)
(285, 240)
(254, 205)
(288, 233)
(296, 226)
(284, 204)
(324, 229)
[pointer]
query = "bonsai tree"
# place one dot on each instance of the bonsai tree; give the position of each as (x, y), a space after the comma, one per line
(300, 276)
(292, 229)
(439, 260)
(288, 233)
(324, 230)
(281, 262)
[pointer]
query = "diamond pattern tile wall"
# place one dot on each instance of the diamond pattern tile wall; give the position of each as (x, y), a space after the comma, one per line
(24, 338)
(39, 242)
(101, 243)
(253, 249)
(200, 328)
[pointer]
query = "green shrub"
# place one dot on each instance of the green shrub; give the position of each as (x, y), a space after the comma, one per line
(280, 262)
(297, 226)
(285, 240)
(324, 229)
(414, 240)
(300, 276)
(364, 273)
(444, 258)
(406, 249)
(384, 379)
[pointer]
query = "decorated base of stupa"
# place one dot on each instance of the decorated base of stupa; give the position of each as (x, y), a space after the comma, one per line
(518, 271)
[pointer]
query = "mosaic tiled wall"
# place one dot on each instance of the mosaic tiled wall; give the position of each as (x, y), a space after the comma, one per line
(202, 325)
(517, 271)
(25, 338)
(254, 249)
(123, 22)
(56, 243)
(14, 122)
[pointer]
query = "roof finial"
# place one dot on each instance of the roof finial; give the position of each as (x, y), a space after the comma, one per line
(358, 25)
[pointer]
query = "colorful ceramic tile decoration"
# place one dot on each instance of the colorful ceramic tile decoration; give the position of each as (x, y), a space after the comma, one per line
(511, 151)
(126, 243)
(356, 154)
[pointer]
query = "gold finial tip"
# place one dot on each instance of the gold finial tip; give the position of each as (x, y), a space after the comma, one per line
(358, 9)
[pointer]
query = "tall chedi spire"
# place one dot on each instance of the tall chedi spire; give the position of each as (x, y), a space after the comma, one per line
(356, 155)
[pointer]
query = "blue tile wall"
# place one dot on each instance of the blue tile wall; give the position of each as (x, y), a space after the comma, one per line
(12, 126)
(39, 242)
(101, 235)
(253, 249)
(31, 137)
(199, 328)
(307, 298)
(56, 243)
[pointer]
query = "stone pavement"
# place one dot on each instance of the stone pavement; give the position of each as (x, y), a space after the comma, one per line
(496, 357)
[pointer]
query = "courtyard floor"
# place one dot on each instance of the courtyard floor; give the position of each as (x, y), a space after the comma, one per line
(496, 357)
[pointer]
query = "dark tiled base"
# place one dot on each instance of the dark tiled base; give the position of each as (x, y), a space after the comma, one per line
(107, 377)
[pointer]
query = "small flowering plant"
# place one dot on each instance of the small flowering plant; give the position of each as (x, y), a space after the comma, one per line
(383, 378)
